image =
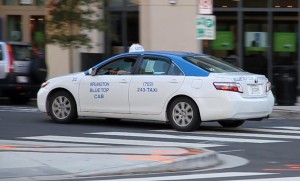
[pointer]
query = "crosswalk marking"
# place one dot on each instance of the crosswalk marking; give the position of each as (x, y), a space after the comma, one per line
(119, 141)
(265, 130)
(184, 137)
(288, 127)
(194, 176)
(271, 179)
(17, 109)
(240, 134)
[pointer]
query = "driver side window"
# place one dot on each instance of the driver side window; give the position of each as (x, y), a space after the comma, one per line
(121, 66)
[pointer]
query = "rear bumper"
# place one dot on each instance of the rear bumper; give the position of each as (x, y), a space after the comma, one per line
(235, 107)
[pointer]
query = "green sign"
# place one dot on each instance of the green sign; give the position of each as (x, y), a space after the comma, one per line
(223, 41)
(285, 42)
(206, 27)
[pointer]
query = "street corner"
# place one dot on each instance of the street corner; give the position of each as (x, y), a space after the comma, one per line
(166, 155)
(158, 160)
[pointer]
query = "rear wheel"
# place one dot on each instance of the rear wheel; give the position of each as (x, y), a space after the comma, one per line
(231, 123)
(183, 114)
(62, 107)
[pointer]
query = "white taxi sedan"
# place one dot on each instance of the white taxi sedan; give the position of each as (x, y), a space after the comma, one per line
(180, 88)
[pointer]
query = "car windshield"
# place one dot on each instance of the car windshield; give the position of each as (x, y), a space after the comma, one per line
(212, 64)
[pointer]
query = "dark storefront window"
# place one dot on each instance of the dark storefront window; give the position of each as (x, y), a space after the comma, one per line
(37, 30)
(226, 38)
(255, 3)
(225, 3)
(255, 42)
(285, 3)
(14, 28)
(123, 18)
(285, 38)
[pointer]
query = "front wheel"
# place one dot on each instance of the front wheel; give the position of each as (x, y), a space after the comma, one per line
(231, 123)
(62, 107)
(183, 114)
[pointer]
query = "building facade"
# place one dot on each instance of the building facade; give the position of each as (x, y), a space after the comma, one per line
(23, 20)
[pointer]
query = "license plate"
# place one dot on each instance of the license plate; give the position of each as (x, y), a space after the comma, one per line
(255, 90)
(22, 79)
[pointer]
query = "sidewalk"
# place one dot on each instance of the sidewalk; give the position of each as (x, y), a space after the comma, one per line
(286, 112)
(26, 161)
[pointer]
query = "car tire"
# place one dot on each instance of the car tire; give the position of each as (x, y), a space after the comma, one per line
(183, 114)
(231, 123)
(62, 107)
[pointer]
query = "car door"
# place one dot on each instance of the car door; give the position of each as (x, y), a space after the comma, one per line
(107, 90)
(155, 81)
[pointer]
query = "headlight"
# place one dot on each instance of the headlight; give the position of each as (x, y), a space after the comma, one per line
(44, 84)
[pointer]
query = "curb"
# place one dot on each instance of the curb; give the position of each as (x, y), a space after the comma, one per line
(193, 162)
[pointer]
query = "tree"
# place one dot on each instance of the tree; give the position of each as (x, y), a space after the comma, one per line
(70, 21)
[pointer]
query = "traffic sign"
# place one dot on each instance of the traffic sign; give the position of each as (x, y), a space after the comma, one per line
(206, 27)
(205, 6)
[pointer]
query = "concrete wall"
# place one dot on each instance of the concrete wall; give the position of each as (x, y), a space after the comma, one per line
(165, 26)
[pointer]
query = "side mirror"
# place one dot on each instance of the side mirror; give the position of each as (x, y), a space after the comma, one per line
(92, 71)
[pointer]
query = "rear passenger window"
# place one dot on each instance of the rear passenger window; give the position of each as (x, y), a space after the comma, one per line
(158, 66)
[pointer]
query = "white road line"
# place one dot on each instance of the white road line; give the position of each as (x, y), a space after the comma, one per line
(184, 137)
(253, 135)
(264, 130)
(17, 109)
(120, 141)
(194, 176)
(288, 127)
(271, 179)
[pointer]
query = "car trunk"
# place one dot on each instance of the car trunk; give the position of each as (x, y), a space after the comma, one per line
(253, 85)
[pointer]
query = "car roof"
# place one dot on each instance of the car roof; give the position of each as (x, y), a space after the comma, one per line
(174, 53)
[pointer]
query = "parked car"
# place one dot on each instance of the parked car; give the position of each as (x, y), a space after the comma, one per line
(21, 71)
(181, 88)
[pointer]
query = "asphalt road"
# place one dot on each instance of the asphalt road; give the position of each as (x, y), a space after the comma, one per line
(271, 147)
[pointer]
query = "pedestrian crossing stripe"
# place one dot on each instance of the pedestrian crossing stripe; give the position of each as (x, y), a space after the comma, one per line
(186, 137)
(271, 179)
(263, 130)
(120, 141)
(193, 176)
(288, 127)
(17, 109)
(238, 134)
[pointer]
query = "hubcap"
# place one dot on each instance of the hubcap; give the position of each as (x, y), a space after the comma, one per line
(182, 114)
(61, 107)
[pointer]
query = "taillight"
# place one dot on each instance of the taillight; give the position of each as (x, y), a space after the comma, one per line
(11, 59)
(228, 86)
(268, 86)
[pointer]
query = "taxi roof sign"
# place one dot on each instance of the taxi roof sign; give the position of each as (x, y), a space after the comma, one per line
(136, 48)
